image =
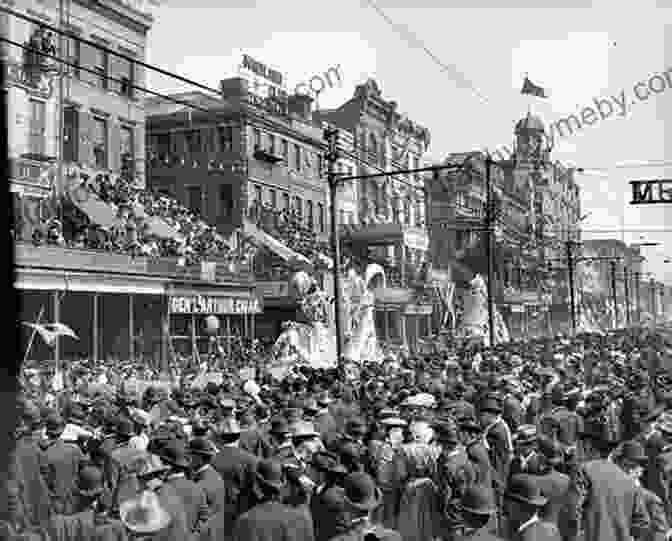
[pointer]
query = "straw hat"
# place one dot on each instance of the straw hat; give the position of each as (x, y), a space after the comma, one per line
(144, 515)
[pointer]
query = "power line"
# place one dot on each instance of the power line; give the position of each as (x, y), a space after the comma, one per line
(412, 38)
(108, 50)
(106, 76)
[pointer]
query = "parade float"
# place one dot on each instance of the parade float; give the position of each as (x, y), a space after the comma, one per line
(473, 323)
(312, 342)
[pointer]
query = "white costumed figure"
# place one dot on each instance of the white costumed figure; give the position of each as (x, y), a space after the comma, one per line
(474, 322)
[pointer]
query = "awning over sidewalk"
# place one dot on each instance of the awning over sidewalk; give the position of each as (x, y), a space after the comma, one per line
(90, 204)
(274, 245)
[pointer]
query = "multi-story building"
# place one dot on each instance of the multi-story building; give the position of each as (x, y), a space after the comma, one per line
(536, 207)
(84, 123)
(248, 165)
(389, 226)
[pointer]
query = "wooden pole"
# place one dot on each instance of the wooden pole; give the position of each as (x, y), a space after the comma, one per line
(32, 334)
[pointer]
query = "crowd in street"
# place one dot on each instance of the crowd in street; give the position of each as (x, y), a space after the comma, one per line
(132, 233)
(550, 439)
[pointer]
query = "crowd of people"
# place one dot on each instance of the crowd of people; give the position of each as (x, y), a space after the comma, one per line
(549, 439)
(193, 239)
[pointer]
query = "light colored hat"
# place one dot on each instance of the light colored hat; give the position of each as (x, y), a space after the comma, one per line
(304, 429)
(250, 387)
(144, 515)
(391, 422)
(421, 400)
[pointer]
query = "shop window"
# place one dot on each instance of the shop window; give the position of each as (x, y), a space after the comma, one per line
(194, 198)
(100, 142)
(225, 137)
(70, 134)
(38, 127)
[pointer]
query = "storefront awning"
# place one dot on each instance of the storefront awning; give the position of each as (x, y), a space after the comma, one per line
(44, 280)
(278, 248)
(90, 204)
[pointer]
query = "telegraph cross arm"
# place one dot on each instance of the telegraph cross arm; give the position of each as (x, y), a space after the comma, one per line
(651, 192)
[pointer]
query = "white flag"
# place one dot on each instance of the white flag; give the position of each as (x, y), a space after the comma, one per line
(49, 331)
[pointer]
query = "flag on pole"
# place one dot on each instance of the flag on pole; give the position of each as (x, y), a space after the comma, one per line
(530, 88)
(49, 331)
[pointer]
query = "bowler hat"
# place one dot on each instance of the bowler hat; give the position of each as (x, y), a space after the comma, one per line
(522, 488)
(361, 492)
(491, 405)
(90, 481)
(202, 446)
(328, 462)
(477, 500)
(124, 427)
(270, 476)
(174, 453)
(632, 451)
(446, 430)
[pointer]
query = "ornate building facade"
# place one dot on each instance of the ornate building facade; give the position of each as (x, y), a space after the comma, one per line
(389, 226)
(537, 207)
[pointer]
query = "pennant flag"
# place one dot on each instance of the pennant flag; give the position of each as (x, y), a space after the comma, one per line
(530, 88)
(49, 331)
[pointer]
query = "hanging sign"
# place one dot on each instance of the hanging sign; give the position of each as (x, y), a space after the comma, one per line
(651, 192)
(203, 304)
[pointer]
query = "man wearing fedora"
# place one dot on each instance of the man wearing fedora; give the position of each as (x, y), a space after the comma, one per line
(523, 503)
(201, 452)
(362, 497)
(632, 459)
(476, 509)
(607, 502)
(271, 519)
(327, 506)
(59, 465)
(236, 467)
(174, 455)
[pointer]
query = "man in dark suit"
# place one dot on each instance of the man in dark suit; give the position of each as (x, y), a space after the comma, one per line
(271, 520)
(60, 465)
(174, 454)
(522, 504)
(327, 505)
(236, 467)
(607, 499)
(361, 497)
(476, 511)
(202, 451)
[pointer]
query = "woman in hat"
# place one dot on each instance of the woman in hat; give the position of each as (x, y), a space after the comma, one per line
(361, 497)
(523, 502)
(271, 519)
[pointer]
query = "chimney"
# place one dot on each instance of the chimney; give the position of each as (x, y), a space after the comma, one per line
(234, 87)
(301, 106)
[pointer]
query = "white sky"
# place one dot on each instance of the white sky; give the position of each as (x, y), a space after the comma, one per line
(576, 49)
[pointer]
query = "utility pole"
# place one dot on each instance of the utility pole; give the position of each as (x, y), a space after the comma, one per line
(612, 264)
(652, 286)
(489, 220)
(331, 135)
(626, 286)
(570, 269)
(637, 297)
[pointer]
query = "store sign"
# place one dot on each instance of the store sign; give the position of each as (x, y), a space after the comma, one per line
(419, 310)
(273, 289)
(651, 192)
(262, 70)
(202, 304)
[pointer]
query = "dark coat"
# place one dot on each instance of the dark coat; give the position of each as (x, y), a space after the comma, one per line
(60, 469)
(238, 468)
(178, 529)
(554, 486)
(656, 510)
(194, 500)
(359, 532)
(538, 531)
(325, 425)
(498, 438)
(213, 486)
(33, 491)
(217, 528)
(513, 413)
(255, 442)
(612, 503)
(327, 507)
(85, 526)
(273, 521)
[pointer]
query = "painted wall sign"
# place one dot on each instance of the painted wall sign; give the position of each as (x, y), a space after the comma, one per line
(202, 304)
(651, 192)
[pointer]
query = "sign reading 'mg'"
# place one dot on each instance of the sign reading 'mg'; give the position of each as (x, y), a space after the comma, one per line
(651, 192)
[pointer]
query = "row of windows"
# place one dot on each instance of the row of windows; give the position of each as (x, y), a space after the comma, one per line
(194, 141)
(98, 135)
(311, 214)
(302, 159)
(110, 72)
